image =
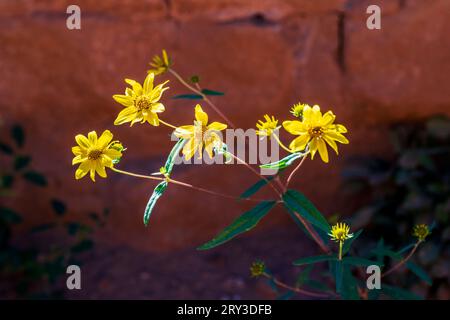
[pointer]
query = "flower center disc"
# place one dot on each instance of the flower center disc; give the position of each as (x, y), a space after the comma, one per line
(94, 154)
(316, 132)
(142, 103)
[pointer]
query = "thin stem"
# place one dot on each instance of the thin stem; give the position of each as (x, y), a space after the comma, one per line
(281, 143)
(295, 289)
(340, 249)
(257, 173)
(403, 261)
(187, 185)
(294, 171)
(204, 97)
(167, 124)
(313, 234)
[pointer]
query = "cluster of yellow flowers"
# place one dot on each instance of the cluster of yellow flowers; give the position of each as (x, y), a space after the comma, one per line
(314, 130)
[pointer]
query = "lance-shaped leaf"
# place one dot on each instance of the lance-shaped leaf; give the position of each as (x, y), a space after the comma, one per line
(418, 271)
(244, 223)
(314, 259)
(255, 188)
(297, 202)
(173, 155)
(209, 92)
(188, 96)
(283, 163)
(157, 193)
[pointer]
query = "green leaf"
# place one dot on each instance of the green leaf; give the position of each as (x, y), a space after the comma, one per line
(418, 271)
(209, 92)
(338, 273)
(283, 163)
(188, 96)
(297, 202)
(244, 223)
(6, 148)
(21, 162)
(349, 288)
(10, 216)
(168, 167)
(348, 243)
(157, 193)
(18, 134)
(303, 276)
(255, 188)
(314, 259)
(35, 178)
(399, 294)
(58, 206)
(356, 261)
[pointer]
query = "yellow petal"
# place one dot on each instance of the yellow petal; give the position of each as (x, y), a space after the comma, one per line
(157, 92)
(112, 153)
(100, 169)
(77, 150)
(148, 83)
(323, 152)
(312, 148)
(331, 143)
(92, 136)
(82, 141)
(189, 149)
(158, 108)
(137, 88)
(107, 161)
(92, 173)
(78, 159)
(126, 115)
(104, 139)
(152, 118)
(337, 136)
(299, 143)
(217, 126)
(165, 57)
(294, 127)
(316, 116)
(184, 132)
(200, 115)
(82, 170)
(327, 119)
(125, 100)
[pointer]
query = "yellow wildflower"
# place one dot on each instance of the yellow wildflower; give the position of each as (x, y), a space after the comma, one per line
(199, 134)
(314, 131)
(95, 154)
(257, 269)
(421, 231)
(160, 64)
(266, 128)
(340, 232)
(141, 102)
(297, 109)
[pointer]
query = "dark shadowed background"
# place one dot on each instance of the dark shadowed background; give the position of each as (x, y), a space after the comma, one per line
(265, 55)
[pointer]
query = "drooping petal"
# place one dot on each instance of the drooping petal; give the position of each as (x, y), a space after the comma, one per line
(82, 170)
(185, 132)
(323, 152)
(217, 126)
(124, 100)
(82, 141)
(137, 88)
(126, 115)
(189, 149)
(294, 127)
(148, 83)
(107, 161)
(100, 169)
(330, 142)
(313, 147)
(337, 136)
(104, 139)
(299, 143)
(157, 92)
(200, 115)
(92, 172)
(92, 136)
(152, 118)
(158, 108)
(113, 154)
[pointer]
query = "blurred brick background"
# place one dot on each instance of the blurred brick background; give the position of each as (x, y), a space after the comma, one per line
(264, 54)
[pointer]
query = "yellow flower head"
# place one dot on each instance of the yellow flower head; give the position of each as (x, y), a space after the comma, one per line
(297, 109)
(266, 126)
(421, 231)
(315, 131)
(141, 102)
(95, 154)
(340, 232)
(160, 64)
(200, 134)
(257, 269)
